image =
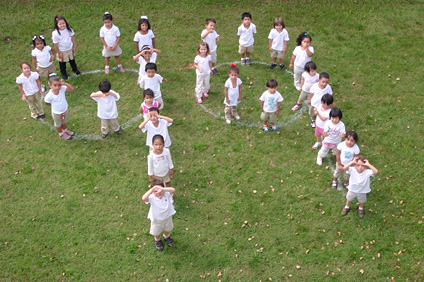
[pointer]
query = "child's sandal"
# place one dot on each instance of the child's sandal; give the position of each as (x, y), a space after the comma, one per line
(159, 245)
(169, 241)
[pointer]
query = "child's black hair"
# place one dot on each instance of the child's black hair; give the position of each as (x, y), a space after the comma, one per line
(58, 18)
(279, 20)
(324, 75)
(272, 83)
(336, 112)
(210, 20)
(107, 16)
(353, 134)
(38, 38)
(327, 99)
(301, 36)
(203, 44)
(158, 136)
(310, 66)
(153, 109)
(25, 63)
(104, 86)
(53, 77)
(157, 182)
(234, 68)
(148, 92)
(143, 20)
(151, 66)
(246, 15)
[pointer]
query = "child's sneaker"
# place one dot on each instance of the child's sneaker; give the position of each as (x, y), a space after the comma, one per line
(107, 69)
(215, 71)
(319, 161)
(228, 121)
(70, 133)
(243, 62)
(159, 245)
(248, 62)
(346, 185)
(64, 136)
(237, 117)
(65, 77)
(274, 128)
(169, 241)
(316, 145)
(296, 107)
(312, 123)
(119, 131)
(361, 213)
(105, 135)
(281, 66)
(345, 211)
(206, 94)
(78, 73)
(334, 184)
(265, 128)
(273, 65)
(199, 101)
(121, 68)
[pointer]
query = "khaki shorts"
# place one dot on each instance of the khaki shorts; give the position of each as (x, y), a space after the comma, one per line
(165, 179)
(106, 53)
(271, 117)
(44, 72)
(213, 57)
(303, 96)
(66, 56)
(362, 197)
(277, 54)
(158, 226)
(243, 49)
(60, 119)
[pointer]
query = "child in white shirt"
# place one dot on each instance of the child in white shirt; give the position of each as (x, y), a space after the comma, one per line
(152, 80)
(309, 78)
(270, 105)
(323, 114)
(156, 124)
(301, 55)
(210, 36)
(147, 55)
(42, 57)
(159, 162)
(110, 37)
(144, 35)
(106, 108)
(318, 90)
(246, 31)
(278, 38)
(232, 94)
(334, 131)
(203, 65)
(148, 102)
(346, 152)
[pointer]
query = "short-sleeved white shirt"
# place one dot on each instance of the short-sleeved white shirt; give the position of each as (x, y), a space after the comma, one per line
(110, 35)
(334, 130)
(43, 57)
(159, 165)
(153, 83)
(301, 57)
(29, 84)
(309, 81)
(318, 93)
(246, 35)
(359, 182)
(144, 39)
(203, 62)
(64, 39)
(271, 101)
(324, 113)
(152, 130)
(58, 102)
(278, 39)
(142, 62)
(347, 153)
(210, 39)
(106, 106)
(162, 208)
(233, 93)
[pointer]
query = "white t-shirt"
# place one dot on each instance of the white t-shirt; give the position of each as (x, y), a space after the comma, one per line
(359, 182)
(334, 130)
(110, 35)
(309, 81)
(29, 84)
(43, 57)
(203, 62)
(152, 83)
(162, 208)
(324, 113)
(152, 130)
(159, 165)
(318, 93)
(246, 35)
(64, 39)
(210, 39)
(144, 39)
(58, 102)
(278, 39)
(271, 101)
(347, 154)
(142, 62)
(301, 57)
(233, 93)
(106, 106)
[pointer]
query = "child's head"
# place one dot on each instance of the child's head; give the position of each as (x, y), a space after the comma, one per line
(234, 71)
(335, 115)
(210, 24)
(326, 101)
(25, 67)
(60, 23)
(279, 23)
(272, 86)
(55, 82)
(38, 42)
(311, 68)
(148, 96)
(323, 80)
(360, 163)
(246, 15)
(303, 36)
(153, 113)
(203, 49)
(143, 24)
(351, 138)
(158, 142)
(246, 18)
(151, 69)
(108, 20)
(157, 186)
(104, 86)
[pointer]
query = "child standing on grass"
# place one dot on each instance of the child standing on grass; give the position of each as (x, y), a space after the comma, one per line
(278, 38)
(318, 90)
(156, 124)
(42, 57)
(210, 36)
(159, 162)
(203, 65)
(270, 105)
(148, 102)
(144, 35)
(309, 78)
(232, 93)
(346, 152)
(106, 108)
(246, 31)
(30, 87)
(152, 81)
(57, 100)
(359, 183)
(161, 212)
(64, 43)
(110, 37)
(323, 114)
(334, 131)
(301, 55)
(147, 55)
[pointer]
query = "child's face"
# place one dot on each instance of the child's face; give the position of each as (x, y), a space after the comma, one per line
(324, 105)
(148, 99)
(147, 53)
(246, 21)
(323, 82)
(278, 27)
(335, 120)
(55, 86)
(144, 27)
(26, 70)
(39, 45)
(210, 26)
(61, 24)
(108, 24)
(272, 90)
(158, 146)
(306, 42)
(233, 75)
(150, 73)
(158, 192)
(203, 50)
(153, 116)
(360, 166)
(349, 141)
(312, 72)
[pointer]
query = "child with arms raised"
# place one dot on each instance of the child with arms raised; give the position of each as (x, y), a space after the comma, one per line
(334, 131)
(203, 65)
(144, 35)
(346, 152)
(42, 57)
(210, 36)
(152, 81)
(301, 55)
(148, 102)
(147, 55)
(309, 78)
(156, 124)
(246, 31)
(232, 93)
(110, 37)
(270, 105)
(278, 38)
(159, 162)
(323, 114)
(318, 90)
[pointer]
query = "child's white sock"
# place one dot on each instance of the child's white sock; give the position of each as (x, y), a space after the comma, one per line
(347, 207)
(119, 65)
(361, 208)
(247, 58)
(106, 66)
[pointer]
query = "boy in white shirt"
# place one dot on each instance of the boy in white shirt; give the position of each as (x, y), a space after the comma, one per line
(152, 80)
(278, 38)
(106, 108)
(156, 124)
(270, 105)
(210, 36)
(316, 92)
(246, 31)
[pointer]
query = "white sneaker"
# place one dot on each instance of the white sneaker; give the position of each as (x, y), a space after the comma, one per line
(228, 121)
(319, 161)
(237, 117)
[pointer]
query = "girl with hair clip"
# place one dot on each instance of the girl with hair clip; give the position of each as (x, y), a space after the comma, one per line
(309, 78)
(42, 56)
(64, 43)
(110, 37)
(147, 55)
(159, 162)
(301, 55)
(144, 35)
(203, 65)
(232, 93)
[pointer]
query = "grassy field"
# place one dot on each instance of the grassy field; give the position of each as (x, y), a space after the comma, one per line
(250, 206)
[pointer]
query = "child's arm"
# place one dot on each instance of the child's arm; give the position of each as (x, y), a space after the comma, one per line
(309, 53)
(111, 94)
(203, 35)
(40, 90)
(285, 46)
(262, 106)
(68, 86)
(118, 38)
(104, 44)
(226, 95)
(270, 45)
(143, 124)
(171, 172)
(210, 66)
(197, 67)
(351, 163)
(278, 108)
(146, 195)
(169, 189)
(157, 51)
(374, 170)
(21, 88)
(319, 115)
(34, 63)
(56, 46)
(326, 134)
(309, 97)
(339, 162)
(292, 61)
(239, 99)
(140, 110)
(52, 55)
(136, 47)
(74, 48)
(168, 119)
(153, 43)
(96, 94)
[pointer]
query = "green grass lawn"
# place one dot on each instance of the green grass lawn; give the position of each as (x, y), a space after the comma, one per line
(250, 206)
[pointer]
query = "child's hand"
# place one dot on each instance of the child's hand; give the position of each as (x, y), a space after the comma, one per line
(51, 59)
(23, 98)
(41, 92)
(270, 49)
(211, 71)
(200, 70)
(315, 111)
(109, 48)
(60, 55)
(366, 162)
(239, 99)
(309, 101)
(342, 135)
(74, 50)
(284, 50)
(340, 166)
(277, 112)
(171, 173)
(165, 80)
(290, 66)
(228, 101)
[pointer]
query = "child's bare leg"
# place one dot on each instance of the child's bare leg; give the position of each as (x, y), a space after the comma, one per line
(118, 60)
(265, 122)
(349, 202)
(107, 61)
(242, 56)
(64, 126)
(213, 65)
(361, 205)
(282, 61)
(157, 238)
(247, 54)
(165, 234)
(274, 60)
(318, 139)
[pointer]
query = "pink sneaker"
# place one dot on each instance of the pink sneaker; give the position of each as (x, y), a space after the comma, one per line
(206, 94)
(199, 100)
(107, 70)
(296, 107)
(64, 136)
(316, 145)
(70, 133)
(121, 69)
